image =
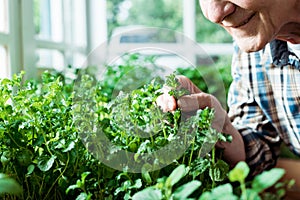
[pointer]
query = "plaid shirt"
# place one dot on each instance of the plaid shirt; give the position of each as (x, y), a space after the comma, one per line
(264, 102)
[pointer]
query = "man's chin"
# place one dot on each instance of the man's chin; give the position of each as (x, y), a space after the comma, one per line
(249, 45)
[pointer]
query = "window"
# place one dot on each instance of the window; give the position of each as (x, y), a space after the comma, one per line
(48, 20)
(4, 69)
(46, 34)
(3, 16)
(50, 59)
(79, 23)
(79, 59)
(61, 33)
(3, 62)
(54, 34)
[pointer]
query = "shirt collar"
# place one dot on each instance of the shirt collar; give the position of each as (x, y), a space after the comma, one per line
(282, 56)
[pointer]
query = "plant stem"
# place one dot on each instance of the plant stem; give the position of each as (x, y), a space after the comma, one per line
(244, 192)
(213, 155)
(191, 155)
(46, 143)
(59, 176)
(213, 151)
(164, 131)
(15, 141)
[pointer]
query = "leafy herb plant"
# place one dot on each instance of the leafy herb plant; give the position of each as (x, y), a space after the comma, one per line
(254, 190)
(59, 136)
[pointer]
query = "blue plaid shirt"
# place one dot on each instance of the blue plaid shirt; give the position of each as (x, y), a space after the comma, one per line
(264, 102)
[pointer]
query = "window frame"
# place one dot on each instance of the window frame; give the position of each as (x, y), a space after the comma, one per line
(22, 44)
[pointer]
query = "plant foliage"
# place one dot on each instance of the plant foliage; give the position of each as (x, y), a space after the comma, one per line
(53, 137)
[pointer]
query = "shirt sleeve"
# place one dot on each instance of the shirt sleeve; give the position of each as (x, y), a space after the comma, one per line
(262, 142)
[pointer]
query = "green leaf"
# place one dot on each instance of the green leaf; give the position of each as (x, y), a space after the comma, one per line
(239, 172)
(84, 175)
(219, 171)
(5, 157)
(70, 146)
(252, 195)
(205, 196)
(9, 186)
(24, 157)
(30, 169)
(222, 192)
(145, 173)
(148, 194)
(137, 184)
(267, 179)
(45, 163)
(176, 175)
(84, 196)
(187, 189)
(72, 187)
(124, 187)
(147, 177)
(201, 165)
(61, 144)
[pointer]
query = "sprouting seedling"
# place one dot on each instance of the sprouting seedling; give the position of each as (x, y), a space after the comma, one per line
(173, 83)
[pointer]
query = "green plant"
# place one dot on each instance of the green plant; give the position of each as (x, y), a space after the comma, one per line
(43, 149)
(50, 131)
(9, 185)
(39, 144)
(80, 184)
(251, 190)
(255, 189)
(137, 129)
(163, 189)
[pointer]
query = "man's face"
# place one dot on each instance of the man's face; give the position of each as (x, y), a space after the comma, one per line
(252, 23)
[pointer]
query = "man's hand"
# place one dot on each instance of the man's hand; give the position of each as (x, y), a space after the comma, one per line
(197, 99)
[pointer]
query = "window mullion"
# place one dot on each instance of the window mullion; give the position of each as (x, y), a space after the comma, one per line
(28, 39)
(4, 39)
(46, 44)
(96, 30)
(67, 29)
(14, 43)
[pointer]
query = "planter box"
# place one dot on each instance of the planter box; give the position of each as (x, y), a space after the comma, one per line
(292, 171)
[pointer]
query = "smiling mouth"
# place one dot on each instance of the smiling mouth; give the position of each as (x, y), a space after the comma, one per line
(245, 22)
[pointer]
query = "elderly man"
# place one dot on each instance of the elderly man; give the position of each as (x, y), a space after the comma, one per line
(264, 98)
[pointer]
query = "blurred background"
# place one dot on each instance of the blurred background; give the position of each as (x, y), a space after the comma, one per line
(38, 35)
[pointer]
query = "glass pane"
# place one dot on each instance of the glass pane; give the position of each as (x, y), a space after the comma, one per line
(48, 19)
(4, 70)
(143, 34)
(79, 60)
(79, 22)
(52, 59)
(3, 16)
(158, 13)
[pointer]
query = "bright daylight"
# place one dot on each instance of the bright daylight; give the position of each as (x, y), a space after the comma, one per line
(149, 100)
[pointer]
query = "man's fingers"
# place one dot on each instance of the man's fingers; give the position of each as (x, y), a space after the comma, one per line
(194, 102)
(187, 84)
(168, 103)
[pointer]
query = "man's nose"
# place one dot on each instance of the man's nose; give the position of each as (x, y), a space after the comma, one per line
(216, 10)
